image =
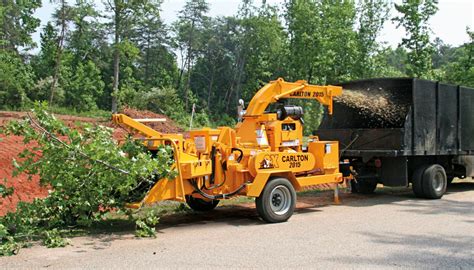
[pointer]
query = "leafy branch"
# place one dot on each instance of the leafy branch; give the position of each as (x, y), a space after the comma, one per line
(82, 168)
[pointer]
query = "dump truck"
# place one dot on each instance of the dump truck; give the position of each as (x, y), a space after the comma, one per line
(407, 131)
(262, 157)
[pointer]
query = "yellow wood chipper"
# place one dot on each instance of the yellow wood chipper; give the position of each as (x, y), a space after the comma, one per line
(262, 157)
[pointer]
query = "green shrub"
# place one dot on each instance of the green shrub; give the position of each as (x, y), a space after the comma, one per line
(88, 175)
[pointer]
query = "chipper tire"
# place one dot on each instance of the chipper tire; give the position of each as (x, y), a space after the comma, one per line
(277, 201)
(430, 182)
(201, 205)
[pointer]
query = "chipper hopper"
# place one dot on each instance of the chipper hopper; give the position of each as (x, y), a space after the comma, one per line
(262, 157)
(400, 130)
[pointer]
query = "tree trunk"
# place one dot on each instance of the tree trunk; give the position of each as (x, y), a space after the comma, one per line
(147, 61)
(181, 71)
(188, 68)
(115, 85)
(57, 65)
(211, 85)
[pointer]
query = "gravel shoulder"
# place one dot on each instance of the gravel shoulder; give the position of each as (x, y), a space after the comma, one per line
(391, 229)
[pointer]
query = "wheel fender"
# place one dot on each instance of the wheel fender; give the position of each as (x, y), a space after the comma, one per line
(291, 177)
(256, 188)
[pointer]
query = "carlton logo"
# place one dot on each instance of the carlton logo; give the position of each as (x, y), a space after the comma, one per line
(295, 158)
(269, 162)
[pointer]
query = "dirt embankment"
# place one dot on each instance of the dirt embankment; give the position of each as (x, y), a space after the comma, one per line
(28, 189)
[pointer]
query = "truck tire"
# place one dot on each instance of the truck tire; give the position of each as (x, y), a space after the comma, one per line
(201, 205)
(434, 182)
(363, 187)
(417, 181)
(277, 201)
(430, 181)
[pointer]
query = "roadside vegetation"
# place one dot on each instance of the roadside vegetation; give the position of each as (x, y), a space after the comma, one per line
(87, 173)
(95, 56)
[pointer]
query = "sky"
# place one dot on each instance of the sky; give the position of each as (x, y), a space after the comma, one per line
(449, 23)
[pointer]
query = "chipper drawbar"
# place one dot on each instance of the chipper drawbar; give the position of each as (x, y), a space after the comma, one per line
(262, 157)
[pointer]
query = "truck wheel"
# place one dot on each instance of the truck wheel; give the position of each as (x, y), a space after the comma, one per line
(434, 182)
(417, 182)
(201, 205)
(430, 182)
(277, 201)
(363, 187)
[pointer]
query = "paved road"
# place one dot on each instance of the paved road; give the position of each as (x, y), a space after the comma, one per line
(391, 229)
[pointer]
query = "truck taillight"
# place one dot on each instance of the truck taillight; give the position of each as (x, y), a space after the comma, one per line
(378, 163)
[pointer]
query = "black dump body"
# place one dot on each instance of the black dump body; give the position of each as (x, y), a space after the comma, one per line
(395, 117)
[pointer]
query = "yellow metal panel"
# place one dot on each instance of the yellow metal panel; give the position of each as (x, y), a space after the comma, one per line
(164, 189)
(196, 168)
(319, 179)
(327, 155)
(255, 188)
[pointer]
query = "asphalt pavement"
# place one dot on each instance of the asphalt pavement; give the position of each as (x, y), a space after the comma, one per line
(391, 229)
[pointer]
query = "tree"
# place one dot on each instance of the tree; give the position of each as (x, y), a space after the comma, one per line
(16, 79)
(372, 15)
(188, 31)
(18, 24)
(122, 21)
(88, 40)
(62, 17)
(461, 69)
(44, 62)
(442, 53)
(322, 40)
(303, 25)
(414, 18)
(262, 48)
(157, 64)
(85, 88)
(213, 68)
(323, 46)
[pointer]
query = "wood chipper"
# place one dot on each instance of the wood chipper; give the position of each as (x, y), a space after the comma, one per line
(262, 157)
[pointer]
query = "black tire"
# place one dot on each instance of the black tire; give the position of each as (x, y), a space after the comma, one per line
(434, 182)
(277, 201)
(417, 181)
(430, 181)
(201, 205)
(363, 187)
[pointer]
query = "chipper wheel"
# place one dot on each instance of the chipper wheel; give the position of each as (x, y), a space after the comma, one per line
(201, 205)
(430, 182)
(277, 201)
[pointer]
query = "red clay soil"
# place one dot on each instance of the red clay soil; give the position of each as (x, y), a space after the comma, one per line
(166, 127)
(24, 189)
(11, 146)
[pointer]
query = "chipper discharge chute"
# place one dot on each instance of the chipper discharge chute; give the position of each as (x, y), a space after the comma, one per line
(262, 157)
(398, 131)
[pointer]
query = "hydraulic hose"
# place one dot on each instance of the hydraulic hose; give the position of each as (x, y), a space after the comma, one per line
(215, 197)
(241, 153)
(223, 165)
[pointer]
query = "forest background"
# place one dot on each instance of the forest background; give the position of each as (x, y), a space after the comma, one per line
(94, 57)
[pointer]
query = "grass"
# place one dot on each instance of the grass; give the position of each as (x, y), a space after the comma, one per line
(66, 111)
(71, 111)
